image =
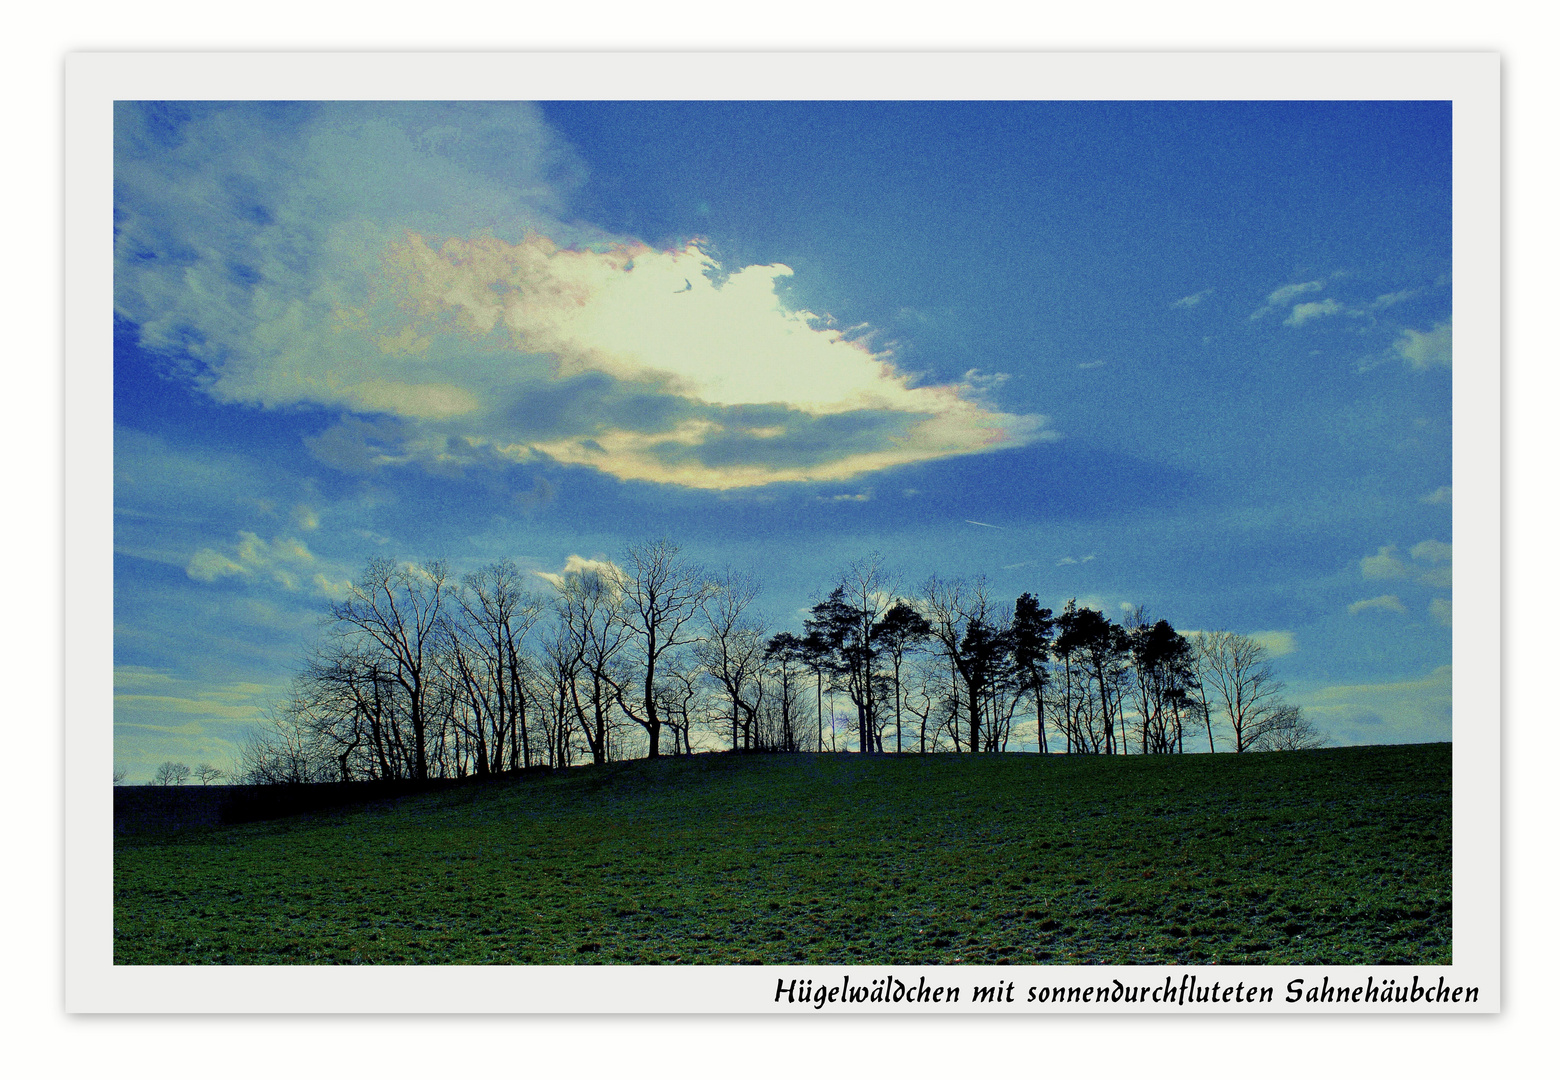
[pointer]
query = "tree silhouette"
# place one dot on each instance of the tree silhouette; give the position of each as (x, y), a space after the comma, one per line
(1032, 630)
(171, 774)
(898, 632)
(1163, 672)
(662, 594)
(1243, 684)
(732, 653)
(396, 609)
(786, 653)
(965, 624)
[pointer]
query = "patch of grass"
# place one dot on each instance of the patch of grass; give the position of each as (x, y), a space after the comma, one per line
(1339, 856)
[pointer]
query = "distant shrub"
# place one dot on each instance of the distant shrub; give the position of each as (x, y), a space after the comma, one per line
(171, 774)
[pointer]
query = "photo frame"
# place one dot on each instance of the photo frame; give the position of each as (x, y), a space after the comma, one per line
(94, 983)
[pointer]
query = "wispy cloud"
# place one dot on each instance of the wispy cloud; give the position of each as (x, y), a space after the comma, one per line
(1378, 603)
(1304, 313)
(1193, 300)
(1281, 296)
(1391, 299)
(281, 560)
(982, 524)
(1441, 496)
(161, 716)
(1409, 710)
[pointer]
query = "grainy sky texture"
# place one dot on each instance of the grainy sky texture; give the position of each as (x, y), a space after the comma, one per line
(1194, 356)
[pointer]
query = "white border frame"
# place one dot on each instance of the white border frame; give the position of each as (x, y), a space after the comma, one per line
(94, 80)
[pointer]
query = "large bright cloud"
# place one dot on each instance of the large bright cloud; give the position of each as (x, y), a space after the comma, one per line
(407, 266)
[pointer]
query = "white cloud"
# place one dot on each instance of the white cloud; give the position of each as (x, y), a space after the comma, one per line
(1378, 603)
(1276, 642)
(579, 566)
(461, 322)
(1439, 555)
(1303, 313)
(1193, 300)
(1090, 365)
(1424, 351)
(1431, 551)
(1285, 293)
(280, 561)
(1387, 300)
(1441, 610)
(1384, 564)
(1281, 296)
(1441, 496)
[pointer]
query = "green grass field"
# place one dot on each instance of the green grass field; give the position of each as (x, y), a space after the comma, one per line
(1336, 856)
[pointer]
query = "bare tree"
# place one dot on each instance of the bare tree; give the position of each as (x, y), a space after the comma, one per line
(1242, 683)
(1287, 729)
(662, 593)
(788, 656)
(206, 772)
(284, 749)
(731, 652)
(171, 774)
(396, 608)
(561, 667)
(1198, 689)
(499, 611)
(921, 697)
(350, 709)
(973, 639)
(119, 777)
(590, 614)
(680, 701)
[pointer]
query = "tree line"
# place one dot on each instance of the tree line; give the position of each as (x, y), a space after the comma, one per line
(423, 676)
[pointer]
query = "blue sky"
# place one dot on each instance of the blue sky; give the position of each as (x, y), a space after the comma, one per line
(1194, 356)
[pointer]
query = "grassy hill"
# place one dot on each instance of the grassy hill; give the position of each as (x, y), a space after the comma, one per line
(1335, 856)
